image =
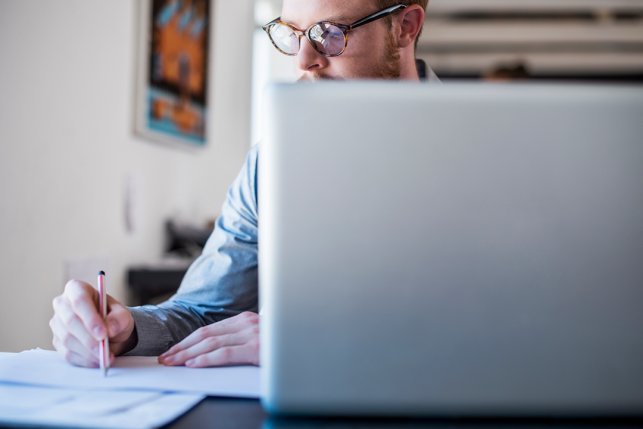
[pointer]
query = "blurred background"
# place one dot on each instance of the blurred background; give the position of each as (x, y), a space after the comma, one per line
(80, 192)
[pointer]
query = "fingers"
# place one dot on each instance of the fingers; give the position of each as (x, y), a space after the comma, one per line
(72, 350)
(191, 340)
(78, 326)
(84, 303)
(208, 345)
(228, 326)
(241, 330)
(78, 360)
(68, 328)
(243, 354)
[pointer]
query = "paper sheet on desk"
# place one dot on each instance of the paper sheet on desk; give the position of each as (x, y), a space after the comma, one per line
(47, 368)
(45, 406)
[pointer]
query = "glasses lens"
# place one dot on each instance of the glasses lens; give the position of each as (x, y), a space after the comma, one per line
(285, 38)
(328, 38)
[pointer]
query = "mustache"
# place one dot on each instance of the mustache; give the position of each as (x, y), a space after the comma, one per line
(315, 76)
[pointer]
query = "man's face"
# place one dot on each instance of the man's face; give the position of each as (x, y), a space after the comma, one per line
(371, 53)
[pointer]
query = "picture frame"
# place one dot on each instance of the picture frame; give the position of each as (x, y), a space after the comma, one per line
(172, 71)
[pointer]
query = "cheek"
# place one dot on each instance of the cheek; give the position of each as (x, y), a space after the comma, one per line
(365, 48)
(360, 43)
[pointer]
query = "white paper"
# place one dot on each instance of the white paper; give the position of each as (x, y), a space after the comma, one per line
(48, 368)
(129, 409)
(30, 398)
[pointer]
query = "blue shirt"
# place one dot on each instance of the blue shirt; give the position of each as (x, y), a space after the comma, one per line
(222, 282)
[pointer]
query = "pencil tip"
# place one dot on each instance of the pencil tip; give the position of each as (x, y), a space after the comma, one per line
(101, 273)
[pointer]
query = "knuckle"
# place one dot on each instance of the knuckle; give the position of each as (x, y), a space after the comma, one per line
(72, 286)
(56, 301)
(226, 353)
(54, 325)
(66, 341)
(254, 344)
(77, 300)
(248, 317)
(67, 318)
(212, 342)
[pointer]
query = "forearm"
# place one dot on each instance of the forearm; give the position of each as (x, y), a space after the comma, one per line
(157, 328)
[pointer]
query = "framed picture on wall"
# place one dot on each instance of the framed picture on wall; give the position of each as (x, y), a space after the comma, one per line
(172, 72)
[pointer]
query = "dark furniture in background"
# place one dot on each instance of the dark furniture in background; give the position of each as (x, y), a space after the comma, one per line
(153, 283)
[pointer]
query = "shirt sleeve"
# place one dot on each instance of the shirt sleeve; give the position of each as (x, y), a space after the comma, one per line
(222, 282)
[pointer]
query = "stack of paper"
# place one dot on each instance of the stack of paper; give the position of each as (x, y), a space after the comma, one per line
(103, 409)
(39, 387)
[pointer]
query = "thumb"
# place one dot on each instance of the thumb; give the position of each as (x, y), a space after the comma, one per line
(120, 322)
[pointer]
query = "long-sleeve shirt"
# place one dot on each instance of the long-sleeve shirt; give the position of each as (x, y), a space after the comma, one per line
(222, 282)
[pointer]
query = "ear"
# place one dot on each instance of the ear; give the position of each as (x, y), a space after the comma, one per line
(410, 20)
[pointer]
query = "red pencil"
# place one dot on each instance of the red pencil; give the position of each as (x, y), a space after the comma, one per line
(104, 344)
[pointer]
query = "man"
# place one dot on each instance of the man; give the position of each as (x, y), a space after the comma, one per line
(212, 320)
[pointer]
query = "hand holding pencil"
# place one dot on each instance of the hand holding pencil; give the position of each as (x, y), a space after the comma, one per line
(79, 326)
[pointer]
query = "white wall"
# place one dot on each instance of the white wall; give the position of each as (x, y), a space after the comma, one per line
(268, 64)
(67, 147)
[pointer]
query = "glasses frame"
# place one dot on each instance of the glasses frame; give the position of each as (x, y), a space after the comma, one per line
(345, 29)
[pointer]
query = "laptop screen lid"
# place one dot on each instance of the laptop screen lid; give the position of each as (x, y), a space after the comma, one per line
(464, 249)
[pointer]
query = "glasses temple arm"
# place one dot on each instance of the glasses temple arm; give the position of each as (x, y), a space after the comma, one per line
(378, 15)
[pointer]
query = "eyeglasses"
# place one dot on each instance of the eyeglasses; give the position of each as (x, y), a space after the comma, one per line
(327, 37)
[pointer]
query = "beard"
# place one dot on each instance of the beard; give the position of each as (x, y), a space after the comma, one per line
(391, 66)
(388, 67)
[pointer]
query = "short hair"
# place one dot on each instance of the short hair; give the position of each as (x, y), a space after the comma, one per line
(383, 4)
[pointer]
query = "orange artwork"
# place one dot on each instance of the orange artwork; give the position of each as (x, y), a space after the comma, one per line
(178, 67)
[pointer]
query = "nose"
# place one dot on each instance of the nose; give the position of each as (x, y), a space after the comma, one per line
(308, 59)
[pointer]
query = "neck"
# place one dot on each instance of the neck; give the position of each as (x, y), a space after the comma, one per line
(408, 70)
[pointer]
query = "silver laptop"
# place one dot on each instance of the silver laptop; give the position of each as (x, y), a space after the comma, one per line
(460, 250)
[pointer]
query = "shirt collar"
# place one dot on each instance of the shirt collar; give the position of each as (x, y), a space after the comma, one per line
(420, 65)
